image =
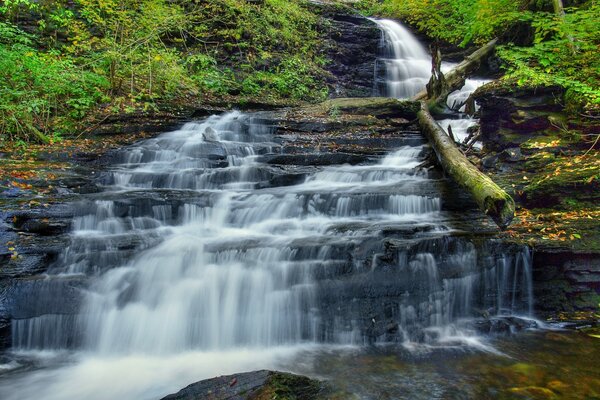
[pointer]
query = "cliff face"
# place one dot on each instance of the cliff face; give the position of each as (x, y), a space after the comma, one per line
(547, 159)
(351, 45)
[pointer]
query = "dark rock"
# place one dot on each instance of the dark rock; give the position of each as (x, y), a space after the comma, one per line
(501, 325)
(29, 298)
(15, 192)
(566, 281)
(510, 115)
(314, 159)
(44, 226)
(253, 385)
(5, 329)
(489, 161)
(513, 155)
(130, 123)
(52, 220)
(284, 180)
(379, 107)
(352, 43)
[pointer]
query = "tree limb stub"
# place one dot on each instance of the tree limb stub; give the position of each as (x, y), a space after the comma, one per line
(494, 201)
(455, 79)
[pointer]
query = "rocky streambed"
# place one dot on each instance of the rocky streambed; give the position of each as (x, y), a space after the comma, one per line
(338, 132)
(385, 285)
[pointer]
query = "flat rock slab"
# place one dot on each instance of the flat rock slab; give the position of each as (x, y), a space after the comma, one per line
(319, 159)
(256, 385)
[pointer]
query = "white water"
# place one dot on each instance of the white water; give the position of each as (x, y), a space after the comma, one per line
(407, 66)
(456, 101)
(92, 376)
(235, 282)
(199, 267)
(406, 62)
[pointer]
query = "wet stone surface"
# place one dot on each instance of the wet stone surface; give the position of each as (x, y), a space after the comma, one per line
(361, 277)
(257, 385)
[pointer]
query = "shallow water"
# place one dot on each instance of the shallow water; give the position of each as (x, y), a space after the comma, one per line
(532, 365)
(541, 364)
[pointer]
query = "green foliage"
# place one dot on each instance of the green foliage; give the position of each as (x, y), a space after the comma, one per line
(273, 47)
(564, 53)
(292, 79)
(39, 91)
(455, 21)
(137, 53)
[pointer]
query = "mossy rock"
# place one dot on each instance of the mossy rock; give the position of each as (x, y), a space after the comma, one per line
(259, 385)
(284, 386)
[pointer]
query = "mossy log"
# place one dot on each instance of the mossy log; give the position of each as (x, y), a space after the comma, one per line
(494, 201)
(455, 79)
(41, 137)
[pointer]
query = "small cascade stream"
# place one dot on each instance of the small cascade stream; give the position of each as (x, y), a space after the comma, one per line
(406, 64)
(404, 68)
(191, 253)
(195, 261)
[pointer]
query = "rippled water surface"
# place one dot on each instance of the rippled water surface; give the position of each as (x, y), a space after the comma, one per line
(532, 365)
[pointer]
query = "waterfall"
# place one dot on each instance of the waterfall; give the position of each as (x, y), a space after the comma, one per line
(404, 68)
(221, 263)
(196, 260)
(405, 62)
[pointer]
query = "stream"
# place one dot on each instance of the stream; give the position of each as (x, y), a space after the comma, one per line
(201, 258)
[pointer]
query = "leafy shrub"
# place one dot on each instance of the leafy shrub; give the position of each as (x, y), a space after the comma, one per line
(78, 53)
(564, 53)
(39, 91)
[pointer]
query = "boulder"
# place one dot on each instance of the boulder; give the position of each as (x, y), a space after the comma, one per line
(352, 43)
(256, 385)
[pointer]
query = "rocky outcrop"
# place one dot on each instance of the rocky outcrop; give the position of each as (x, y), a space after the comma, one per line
(540, 151)
(351, 45)
(509, 116)
(565, 281)
(256, 385)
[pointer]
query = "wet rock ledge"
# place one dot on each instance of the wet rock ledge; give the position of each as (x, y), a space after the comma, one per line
(257, 385)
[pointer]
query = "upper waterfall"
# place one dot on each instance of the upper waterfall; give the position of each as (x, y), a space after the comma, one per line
(405, 61)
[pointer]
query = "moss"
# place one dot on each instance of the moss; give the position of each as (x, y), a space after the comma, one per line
(379, 107)
(587, 300)
(284, 386)
(564, 182)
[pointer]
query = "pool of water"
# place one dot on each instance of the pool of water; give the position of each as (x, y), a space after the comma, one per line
(541, 364)
(531, 365)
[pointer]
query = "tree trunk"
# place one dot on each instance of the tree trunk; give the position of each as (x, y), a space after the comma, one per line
(559, 10)
(40, 136)
(455, 79)
(494, 201)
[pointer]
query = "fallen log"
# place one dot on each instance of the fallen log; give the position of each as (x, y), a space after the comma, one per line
(455, 79)
(494, 201)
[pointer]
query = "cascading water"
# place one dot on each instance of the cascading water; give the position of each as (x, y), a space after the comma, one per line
(195, 262)
(456, 102)
(405, 62)
(235, 263)
(404, 68)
